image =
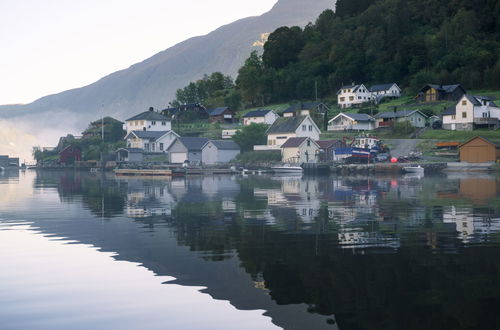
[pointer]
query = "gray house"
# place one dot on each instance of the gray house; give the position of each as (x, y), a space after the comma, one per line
(187, 149)
(219, 152)
(129, 155)
(388, 119)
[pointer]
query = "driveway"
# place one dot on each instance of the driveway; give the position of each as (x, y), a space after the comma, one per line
(402, 147)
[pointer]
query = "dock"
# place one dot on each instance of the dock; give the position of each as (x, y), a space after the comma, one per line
(144, 172)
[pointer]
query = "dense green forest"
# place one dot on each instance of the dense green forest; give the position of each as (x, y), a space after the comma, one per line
(411, 42)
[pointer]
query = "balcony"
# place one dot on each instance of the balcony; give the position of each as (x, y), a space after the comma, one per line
(485, 121)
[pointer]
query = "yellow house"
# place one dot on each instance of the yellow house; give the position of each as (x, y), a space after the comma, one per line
(300, 150)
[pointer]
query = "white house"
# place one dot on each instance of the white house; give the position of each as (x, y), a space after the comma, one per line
(471, 111)
(260, 117)
(151, 141)
(219, 152)
(390, 90)
(351, 121)
(148, 121)
(285, 128)
(348, 96)
(300, 150)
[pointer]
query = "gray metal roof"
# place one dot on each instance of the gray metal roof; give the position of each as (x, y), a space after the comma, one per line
(225, 145)
(286, 125)
(149, 115)
(217, 111)
(193, 143)
(381, 87)
(359, 116)
(397, 114)
(449, 111)
(257, 113)
(443, 88)
(149, 135)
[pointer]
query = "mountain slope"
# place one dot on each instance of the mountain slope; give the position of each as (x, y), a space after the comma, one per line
(154, 81)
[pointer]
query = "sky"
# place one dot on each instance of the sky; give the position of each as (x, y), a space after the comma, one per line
(49, 46)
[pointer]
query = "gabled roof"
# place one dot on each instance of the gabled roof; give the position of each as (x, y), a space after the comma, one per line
(397, 114)
(303, 106)
(450, 111)
(442, 88)
(477, 100)
(193, 143)
(382, 87)
(325, 144)
(217, 111)
(225, 145)
(149, 135)
(287, 125)
(482, 138)
(296, 142)
(257, 113)
(354, 116)
(149, 115)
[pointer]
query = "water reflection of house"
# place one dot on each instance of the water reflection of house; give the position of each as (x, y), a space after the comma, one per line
(148, 198)
(471, 226)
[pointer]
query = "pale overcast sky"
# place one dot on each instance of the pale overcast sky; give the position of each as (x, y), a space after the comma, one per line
(49, 46)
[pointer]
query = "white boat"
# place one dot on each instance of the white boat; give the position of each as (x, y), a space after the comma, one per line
(413, 169)
(287, 168)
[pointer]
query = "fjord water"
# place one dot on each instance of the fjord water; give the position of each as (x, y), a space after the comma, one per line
(86, 251)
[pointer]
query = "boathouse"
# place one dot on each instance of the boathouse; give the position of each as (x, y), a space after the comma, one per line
(479, 150)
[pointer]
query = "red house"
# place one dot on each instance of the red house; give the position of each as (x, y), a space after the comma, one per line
(70, 155)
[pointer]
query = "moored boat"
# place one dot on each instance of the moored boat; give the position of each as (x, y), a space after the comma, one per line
(287, 168)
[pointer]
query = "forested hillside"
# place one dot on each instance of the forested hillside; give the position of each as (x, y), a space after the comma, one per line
(411, 42)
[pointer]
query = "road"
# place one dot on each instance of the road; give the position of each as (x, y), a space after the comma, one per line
(402, 147)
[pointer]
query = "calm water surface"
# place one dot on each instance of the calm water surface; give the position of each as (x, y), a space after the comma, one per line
(85, 251)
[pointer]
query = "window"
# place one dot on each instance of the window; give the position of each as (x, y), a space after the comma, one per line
(419, 119)
(153, 122)
(359, 97)
(351, 98)
(153, 146)
(310, 128)
(163, 123)
(304, 127)
(308, 143)
(464, 102)
(146, 146)
(161, 146)
(342, 99)
(464, 114)
(453, 117)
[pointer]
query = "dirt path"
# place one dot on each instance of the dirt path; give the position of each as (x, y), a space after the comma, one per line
(402, 147)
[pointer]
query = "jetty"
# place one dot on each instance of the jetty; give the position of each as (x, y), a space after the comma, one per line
(144, 172)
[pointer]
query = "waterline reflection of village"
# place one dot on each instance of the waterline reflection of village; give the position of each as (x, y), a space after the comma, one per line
(364, 213)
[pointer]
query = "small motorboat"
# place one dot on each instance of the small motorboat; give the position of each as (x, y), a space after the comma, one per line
(287, 168)
(413, 169)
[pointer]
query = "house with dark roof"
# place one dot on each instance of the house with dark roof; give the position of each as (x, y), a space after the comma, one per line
(187, 149)
(285, 128)
(347, 96)
(382, 91)
(351, 121)
(327, 149)
(434, 93)
(260, 116)
(471, 111)
(130, 155)
(148, 121)
(221, 115)
(190, 110)
(300, 150)
(387, 119)
(219, 152)
(151, 141)
(305, 109)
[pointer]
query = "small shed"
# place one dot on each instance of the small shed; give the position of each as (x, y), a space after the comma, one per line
(69, 155)
(221, 115)
(219, 152)
(129, 155)
(479, 150)
(187, 149)
(300, 150)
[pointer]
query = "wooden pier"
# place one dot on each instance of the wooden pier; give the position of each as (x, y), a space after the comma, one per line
(144, 172)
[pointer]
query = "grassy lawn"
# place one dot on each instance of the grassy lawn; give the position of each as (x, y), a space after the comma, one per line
(461, 136)
(278, 108)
